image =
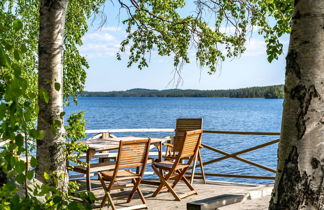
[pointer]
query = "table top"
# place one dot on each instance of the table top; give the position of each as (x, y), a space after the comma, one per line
(113, 143)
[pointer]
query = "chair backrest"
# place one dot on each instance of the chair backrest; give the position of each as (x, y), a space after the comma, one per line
(189, 148)
(191, 144)
(183, 125)
(189, 124)
(133, 153)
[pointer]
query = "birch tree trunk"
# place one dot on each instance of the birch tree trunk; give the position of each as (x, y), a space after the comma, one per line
(300, 178)
(50, 154)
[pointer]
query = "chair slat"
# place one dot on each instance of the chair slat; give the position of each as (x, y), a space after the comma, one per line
(183, 125)
(130, 154)
(186, 124)
(189, 149)
(133, 154)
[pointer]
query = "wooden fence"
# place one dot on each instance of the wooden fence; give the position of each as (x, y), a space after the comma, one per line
(226, 155)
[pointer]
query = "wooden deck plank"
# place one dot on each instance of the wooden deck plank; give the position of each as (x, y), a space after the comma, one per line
(165, 200)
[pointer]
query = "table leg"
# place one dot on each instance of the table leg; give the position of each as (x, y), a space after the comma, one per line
(90, 153)
(160, 151)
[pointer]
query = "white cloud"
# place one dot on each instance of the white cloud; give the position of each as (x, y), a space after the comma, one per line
(255, 47)
(110, 29)
(100, 44)
(99, 50)
(99, 37)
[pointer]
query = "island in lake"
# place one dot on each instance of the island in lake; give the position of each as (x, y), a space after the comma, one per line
(274, 91)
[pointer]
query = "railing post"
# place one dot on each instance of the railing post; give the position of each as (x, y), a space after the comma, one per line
(105, 135)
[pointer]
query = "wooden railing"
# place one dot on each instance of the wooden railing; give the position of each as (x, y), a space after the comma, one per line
(226, 155)
(110, 132)
(235, 154)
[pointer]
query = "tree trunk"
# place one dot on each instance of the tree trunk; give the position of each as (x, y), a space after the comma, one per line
(50, 153)
(300, 178)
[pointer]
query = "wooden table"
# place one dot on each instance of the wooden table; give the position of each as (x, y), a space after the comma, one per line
(107, 144)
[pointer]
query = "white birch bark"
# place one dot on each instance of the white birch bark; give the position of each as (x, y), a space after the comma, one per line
(300, 178)
(50, 155)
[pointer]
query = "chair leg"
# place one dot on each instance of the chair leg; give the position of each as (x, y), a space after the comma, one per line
(135, 189)
(110, 200)
(194, 168)
(162, 177)
(187, 183)
(175, 195)
(107, 193)
(202, 167)
(164, 183)
(138, 190)
(180, 175)
(183, 178)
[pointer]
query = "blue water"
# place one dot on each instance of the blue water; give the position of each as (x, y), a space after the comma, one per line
(233, 114)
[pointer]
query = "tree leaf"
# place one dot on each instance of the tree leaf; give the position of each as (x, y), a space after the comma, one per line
(30, 175)
(19, 140)
(3, 110)
(57, 123)
(20, 178)
(57, 199)
(10, 186)
(23, 48)
(75, 206)
(46, 176)
(44, 95)
(17, 25)
(17, 54)
(40, 134)
(4, 59)
(57, 86)
(33, 162)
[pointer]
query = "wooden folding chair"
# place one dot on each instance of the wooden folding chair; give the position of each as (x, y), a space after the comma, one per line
(131, 154)
(176, 169)
(173, 148)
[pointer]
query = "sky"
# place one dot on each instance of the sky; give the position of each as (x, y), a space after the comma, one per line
(106, 73)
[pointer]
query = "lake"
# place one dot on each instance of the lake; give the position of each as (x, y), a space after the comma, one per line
(230, 114)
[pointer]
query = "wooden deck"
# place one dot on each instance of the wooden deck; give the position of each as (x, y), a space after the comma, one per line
(166, 201)
(205, 191)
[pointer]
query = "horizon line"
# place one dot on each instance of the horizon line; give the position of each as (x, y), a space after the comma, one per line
(179, 89)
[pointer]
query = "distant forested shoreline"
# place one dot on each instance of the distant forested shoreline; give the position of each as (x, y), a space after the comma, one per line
(275, 91)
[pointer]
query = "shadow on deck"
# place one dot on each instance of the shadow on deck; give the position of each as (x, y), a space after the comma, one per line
(166, 201)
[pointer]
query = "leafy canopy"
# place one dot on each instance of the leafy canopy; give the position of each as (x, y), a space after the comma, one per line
(159, 26)
(19, 31)
(155, 25)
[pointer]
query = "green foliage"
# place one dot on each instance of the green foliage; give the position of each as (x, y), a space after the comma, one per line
(158, 26)
(76, 127)
(152, 25)
(44, 197)
(75, 131)
(75, 27)
(18, 96)
(19, 25)
(254, 92)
